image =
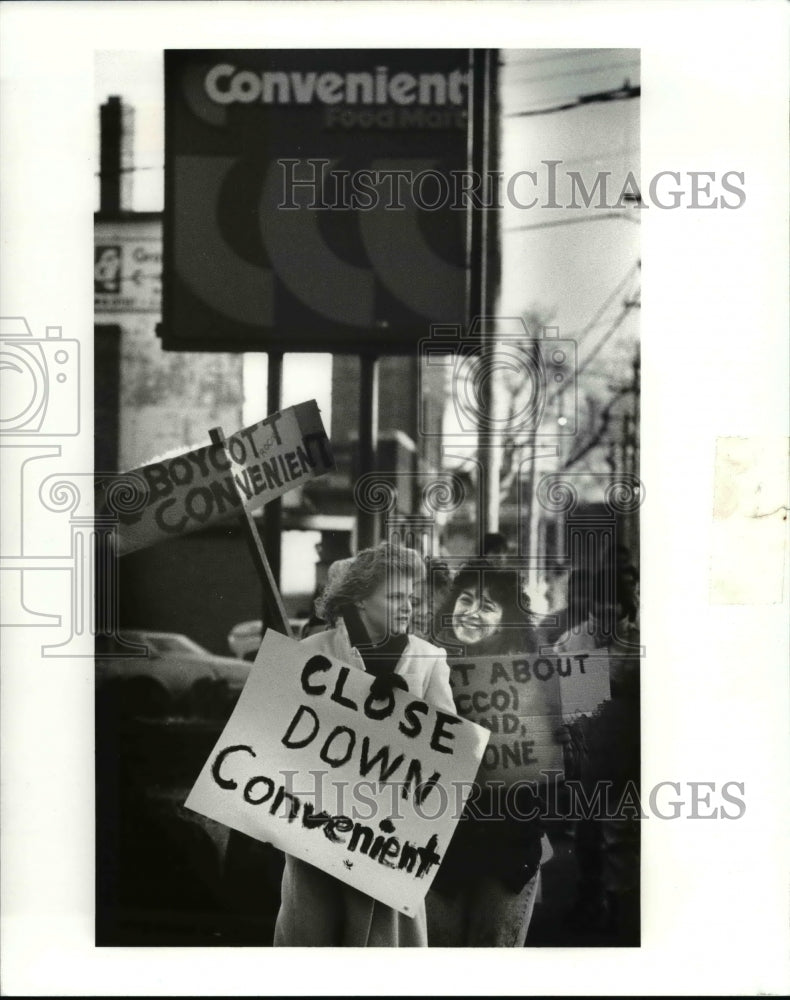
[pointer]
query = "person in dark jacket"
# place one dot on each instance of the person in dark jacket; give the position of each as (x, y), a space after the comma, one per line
(604, 750)
(485, 890)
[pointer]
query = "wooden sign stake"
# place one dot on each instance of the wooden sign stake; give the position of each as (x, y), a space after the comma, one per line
(274, 608)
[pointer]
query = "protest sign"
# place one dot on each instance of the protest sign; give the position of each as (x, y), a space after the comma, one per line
(523, 701)
(367, 789)
(189, 491)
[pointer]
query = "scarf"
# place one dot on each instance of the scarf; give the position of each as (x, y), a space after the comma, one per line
(381, 658)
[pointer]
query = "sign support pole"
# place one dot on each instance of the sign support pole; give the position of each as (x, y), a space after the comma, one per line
(274, 610)
(484, 270)
(367, 533)
(273, 512)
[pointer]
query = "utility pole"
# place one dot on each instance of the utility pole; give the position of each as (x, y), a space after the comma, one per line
(367, 520)
(484, 272)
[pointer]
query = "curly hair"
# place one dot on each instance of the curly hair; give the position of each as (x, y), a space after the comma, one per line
(504, 586)
(364, 574)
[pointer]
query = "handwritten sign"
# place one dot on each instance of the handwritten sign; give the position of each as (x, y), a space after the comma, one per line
(192, 490)
(523, 701)
(368, 790)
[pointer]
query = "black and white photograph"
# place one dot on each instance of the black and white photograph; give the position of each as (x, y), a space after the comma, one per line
(329, 518)
(348, 223)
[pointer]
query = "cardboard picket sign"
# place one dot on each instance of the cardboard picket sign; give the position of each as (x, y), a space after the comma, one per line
(188, 491)
(367, 790)
(523, 701)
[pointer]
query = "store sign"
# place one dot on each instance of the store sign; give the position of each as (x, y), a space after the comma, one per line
(315, 199)
(127, 273)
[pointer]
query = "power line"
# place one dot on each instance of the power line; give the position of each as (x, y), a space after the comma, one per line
(129, 170)
(616, 324)
(611, 297)
(546, 100)
(607, 154)
(564, 54)
(624, 93)
(603, 426)
(571, 72)
(597, 217)
(629, 304)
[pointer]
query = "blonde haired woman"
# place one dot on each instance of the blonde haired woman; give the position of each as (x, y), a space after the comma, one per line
(369, 607)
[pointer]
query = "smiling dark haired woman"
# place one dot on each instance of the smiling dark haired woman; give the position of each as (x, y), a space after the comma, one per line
(486, 612)
(485, 890)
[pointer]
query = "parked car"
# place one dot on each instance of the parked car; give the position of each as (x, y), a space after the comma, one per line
(244, 639)
(176, 677)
